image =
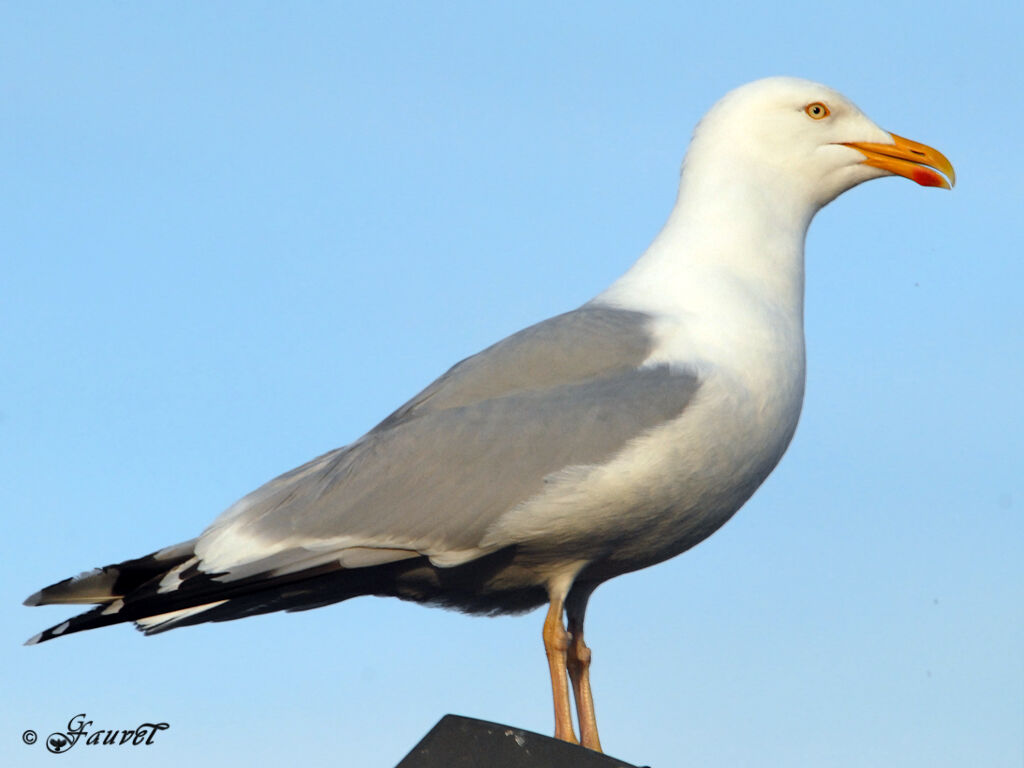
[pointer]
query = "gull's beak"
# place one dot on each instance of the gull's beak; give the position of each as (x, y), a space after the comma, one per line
(908, 158)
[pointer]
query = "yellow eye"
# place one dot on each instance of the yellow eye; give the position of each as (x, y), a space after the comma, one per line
(817, 110)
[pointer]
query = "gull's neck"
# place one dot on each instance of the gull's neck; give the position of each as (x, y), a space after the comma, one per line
(724, 280)
(731, 238)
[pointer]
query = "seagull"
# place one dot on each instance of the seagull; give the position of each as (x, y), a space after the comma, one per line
(592, 444)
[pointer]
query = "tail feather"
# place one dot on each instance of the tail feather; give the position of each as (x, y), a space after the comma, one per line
(141, 591)
(164, 621)
(105, 587)
(107, 584)
(105, 615)
(87, 620)
(95, 586)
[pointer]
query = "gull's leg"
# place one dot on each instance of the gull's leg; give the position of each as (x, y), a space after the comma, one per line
(579, 670)
(556, 644)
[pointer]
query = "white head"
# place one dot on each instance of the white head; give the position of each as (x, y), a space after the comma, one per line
(795, 137)
(762, 162)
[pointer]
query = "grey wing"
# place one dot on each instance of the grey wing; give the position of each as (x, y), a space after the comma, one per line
(436, 475)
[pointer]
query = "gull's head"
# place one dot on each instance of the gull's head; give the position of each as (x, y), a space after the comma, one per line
(802, 138)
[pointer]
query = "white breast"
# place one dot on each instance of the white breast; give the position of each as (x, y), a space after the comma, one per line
(737, 322)
(676, 484)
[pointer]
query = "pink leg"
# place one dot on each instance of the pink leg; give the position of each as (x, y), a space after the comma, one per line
(556, 644)
(579, 672)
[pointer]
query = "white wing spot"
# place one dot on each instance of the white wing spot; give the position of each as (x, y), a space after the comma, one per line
(114, 607)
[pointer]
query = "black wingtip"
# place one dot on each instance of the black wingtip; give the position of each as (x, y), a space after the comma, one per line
(52, 632)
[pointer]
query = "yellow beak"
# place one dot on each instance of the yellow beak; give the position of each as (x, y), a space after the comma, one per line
(908, 158)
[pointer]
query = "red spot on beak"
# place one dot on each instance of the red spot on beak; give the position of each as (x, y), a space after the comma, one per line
(927, 178)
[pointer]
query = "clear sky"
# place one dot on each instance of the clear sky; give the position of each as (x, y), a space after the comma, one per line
(236, 235)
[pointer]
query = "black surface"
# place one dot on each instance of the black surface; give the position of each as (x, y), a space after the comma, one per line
(462, 742)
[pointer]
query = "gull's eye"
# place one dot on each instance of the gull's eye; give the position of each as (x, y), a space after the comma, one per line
(817, 110)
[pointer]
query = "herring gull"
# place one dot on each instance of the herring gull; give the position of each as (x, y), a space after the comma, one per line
(592, 444)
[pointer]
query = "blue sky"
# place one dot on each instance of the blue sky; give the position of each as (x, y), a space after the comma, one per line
(236, 235)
